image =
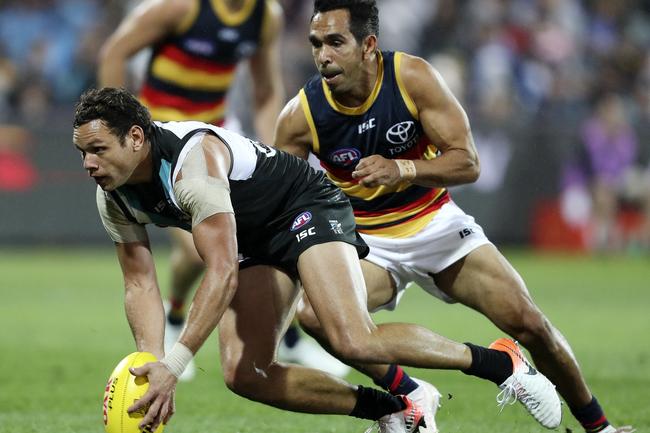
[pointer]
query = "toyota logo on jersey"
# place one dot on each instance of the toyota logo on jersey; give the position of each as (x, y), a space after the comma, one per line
(401, 132)
(345, 157)
(301, 220)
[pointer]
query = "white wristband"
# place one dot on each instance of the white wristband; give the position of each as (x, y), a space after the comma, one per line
(406, 169)
(177, 359)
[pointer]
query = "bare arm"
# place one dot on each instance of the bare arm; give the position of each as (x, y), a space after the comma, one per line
(268, 88)
(148, 23)
(142, 300)
(445, 125)
(292, 132)
(215, 241)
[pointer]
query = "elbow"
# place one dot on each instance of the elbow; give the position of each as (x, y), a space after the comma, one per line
(227, 274)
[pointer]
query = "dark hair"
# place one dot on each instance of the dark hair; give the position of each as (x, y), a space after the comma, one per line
(364, 16)
(118, 108)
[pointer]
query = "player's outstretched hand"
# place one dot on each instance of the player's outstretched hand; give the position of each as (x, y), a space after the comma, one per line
(376, 170)
(158, 401)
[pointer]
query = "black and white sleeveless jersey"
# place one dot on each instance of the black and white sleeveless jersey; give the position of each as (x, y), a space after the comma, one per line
(271, 192)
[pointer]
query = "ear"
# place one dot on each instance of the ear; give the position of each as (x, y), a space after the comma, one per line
(369, 47)
(137, 137)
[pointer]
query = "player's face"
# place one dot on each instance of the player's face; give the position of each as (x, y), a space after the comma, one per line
(109, 162)
(336, 52)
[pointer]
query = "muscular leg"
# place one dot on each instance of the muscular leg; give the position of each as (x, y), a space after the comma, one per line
(380, 290)
(249, 333)
(186, 265)
(339, 302)
(486, 282)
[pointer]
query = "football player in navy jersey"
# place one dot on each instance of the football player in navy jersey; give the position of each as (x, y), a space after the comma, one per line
(390, 134)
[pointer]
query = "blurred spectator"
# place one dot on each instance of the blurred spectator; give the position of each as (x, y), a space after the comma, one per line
(525, 70)
(43, 40)
(606, 177)
(17, 174)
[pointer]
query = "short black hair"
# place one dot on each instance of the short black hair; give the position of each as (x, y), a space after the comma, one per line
(118, 108)
(364, 15)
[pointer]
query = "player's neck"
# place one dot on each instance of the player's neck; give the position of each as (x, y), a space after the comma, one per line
(143, 172)
(234, 5)
(367, 82)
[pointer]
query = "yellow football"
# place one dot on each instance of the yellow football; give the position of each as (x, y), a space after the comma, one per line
(122, 390)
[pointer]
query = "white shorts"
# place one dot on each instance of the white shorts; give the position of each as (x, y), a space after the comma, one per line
(450, 236)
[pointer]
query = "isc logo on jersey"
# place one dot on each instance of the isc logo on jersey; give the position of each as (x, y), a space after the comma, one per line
(345, 157)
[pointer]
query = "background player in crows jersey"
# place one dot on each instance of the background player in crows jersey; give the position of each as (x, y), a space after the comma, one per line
(238, 196)
(196, 47)
(391, 135)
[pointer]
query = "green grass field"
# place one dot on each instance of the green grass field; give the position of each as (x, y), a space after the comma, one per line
(62, 330)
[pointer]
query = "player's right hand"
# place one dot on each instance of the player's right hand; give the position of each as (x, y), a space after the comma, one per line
(158, 401)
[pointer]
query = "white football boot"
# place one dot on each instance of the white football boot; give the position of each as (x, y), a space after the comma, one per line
(427, 397)
(308, 353)
(172, 332)
(611, 429)
(528, 386)
(409, 420)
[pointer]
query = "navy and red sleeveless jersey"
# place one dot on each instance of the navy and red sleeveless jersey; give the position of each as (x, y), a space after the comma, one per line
(386, 124)
(191, 71)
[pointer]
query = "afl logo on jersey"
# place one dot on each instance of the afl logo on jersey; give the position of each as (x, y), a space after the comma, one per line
(401, 133)
(199, 46)
(301, 220)
(345, 157)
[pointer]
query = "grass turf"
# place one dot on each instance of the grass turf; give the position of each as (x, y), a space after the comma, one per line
(62, 330)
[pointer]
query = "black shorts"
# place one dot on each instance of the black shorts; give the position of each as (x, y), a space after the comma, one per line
(318, 215)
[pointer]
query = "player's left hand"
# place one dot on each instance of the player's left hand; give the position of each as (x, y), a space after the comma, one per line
(158, 401)
(376, 170)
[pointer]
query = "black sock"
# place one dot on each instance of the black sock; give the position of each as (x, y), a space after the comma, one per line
(292, 336)
(396, 381)
(373, 404)
(489, 364)
(591, 416)
(175, 320)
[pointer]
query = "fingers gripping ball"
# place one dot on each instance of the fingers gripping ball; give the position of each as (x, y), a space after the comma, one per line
(122, 390)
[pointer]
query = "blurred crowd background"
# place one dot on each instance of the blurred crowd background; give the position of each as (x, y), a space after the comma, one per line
(557, 92)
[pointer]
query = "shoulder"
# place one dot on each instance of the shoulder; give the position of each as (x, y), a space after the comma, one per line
(292, 132)
(414, 71)
(273, 22)
(293, 115)
(420, 79)
(172, 11)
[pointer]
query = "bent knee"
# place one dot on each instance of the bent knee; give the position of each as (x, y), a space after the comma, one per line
(350, 347)
(531, 328)
(307, 318)
(246, 382)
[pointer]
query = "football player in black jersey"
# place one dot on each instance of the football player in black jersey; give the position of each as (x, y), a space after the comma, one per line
(197, 45)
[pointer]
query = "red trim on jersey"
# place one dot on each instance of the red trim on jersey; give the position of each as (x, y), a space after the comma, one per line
(344, 174)
(444, 198)
(179, 56)
(158, 98)
(416, 151)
